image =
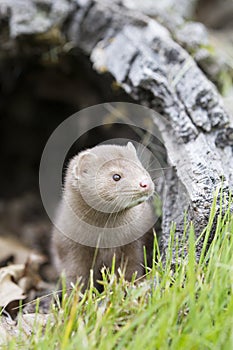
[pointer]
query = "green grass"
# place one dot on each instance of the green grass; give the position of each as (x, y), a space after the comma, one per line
(191, 308)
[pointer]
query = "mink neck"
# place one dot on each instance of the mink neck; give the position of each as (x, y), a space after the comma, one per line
(96, 217)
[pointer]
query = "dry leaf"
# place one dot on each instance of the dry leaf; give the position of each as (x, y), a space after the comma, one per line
(17, 280)
(9, 290)
(11, 247)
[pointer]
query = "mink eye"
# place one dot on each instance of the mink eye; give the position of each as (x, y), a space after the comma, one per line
(116, 177)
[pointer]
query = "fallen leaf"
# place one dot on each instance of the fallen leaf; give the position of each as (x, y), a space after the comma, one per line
(17, 280)
(9, 290)
(12, 248)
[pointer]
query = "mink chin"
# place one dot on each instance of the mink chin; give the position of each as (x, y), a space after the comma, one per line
(106, 199)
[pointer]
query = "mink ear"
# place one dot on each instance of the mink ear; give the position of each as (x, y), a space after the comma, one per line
(83, 164)
(131, 147)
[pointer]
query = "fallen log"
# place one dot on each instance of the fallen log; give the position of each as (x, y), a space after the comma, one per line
(157, 72)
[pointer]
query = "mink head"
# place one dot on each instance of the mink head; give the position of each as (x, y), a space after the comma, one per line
(110, 178)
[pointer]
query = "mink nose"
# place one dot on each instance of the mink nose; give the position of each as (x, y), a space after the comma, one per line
(145, 184)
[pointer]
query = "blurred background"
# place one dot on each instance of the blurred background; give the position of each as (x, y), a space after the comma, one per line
(42, 86)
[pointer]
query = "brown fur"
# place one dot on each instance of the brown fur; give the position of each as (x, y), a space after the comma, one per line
(90, 191)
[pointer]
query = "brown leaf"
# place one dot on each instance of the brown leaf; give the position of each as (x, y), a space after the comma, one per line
(17, 280)
(11, 247)
(9, 290)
